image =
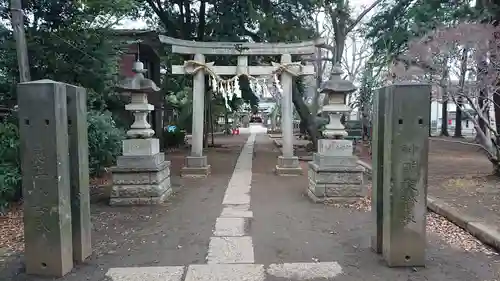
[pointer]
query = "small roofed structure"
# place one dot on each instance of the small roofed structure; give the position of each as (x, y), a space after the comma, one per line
(139, 87)
(336, 89)
(144, 46)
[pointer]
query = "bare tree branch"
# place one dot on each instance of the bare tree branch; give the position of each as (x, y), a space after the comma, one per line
(360, 17)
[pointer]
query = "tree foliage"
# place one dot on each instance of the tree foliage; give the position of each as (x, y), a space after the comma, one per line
(68, 41)
(428, 40)
(73, 41)
(392, 27)
(235, 21)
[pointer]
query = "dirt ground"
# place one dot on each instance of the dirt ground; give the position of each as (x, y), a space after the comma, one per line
(460, 174)
(286, 226)
(289, 228)
(172, 234)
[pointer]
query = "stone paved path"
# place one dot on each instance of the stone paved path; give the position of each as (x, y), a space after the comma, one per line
(251, 225)
(280, 235)
(231, 250)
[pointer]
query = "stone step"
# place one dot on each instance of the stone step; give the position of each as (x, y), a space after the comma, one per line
(227, 272)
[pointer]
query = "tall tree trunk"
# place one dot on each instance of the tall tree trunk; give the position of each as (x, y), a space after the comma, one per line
(444, 115)
(202, 21)
(496, 94)
(211, 119)
(480, 103)
(305, 115)
(19, 34)
(482, 71)
(226, 121)
(458, 118)
(460, 99)
(444, 97)
(483, 94)
(319, 80)
(496, 101)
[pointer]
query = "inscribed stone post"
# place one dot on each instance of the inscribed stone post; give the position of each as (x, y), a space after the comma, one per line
(45, 162)
(405, 174)
(79, 171)
(377, 166)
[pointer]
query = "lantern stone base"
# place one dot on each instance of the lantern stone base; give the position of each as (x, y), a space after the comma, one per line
(145, 185)
(196, 167)
(334, 183)
(141, 147)
(288, 166)
(141, 175)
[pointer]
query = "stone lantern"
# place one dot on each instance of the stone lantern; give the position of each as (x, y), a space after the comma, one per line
(141, 176)
(334, 173)
(336, 90)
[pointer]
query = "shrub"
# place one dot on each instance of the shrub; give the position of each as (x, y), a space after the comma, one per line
(174, 138)
(105, 141)
(10, 168)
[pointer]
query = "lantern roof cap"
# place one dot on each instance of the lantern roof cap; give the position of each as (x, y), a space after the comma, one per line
(337, 84)
(138, 83)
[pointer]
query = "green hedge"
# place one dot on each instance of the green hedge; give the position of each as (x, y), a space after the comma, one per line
(175, 138)
(105, 143)
(10, 166)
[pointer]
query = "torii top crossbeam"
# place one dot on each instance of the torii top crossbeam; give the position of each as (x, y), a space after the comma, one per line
(180, 46)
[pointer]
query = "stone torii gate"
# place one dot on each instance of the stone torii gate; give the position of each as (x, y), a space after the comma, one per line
(196, 163)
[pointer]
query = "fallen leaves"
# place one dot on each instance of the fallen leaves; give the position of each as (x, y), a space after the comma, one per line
(447, 231)
(363, 204)
(455, 236)
(12, 230)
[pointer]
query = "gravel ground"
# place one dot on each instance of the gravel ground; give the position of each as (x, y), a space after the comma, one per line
(460, 175)
(287, 227)
(176, 233)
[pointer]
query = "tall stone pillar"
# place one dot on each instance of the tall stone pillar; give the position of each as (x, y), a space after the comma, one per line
(141, 176)
(79, 172)
(287, 110)
(45, 161)
(196, 163)
(379, 100)
(288, 164)
(334, 173)
(405, 163)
